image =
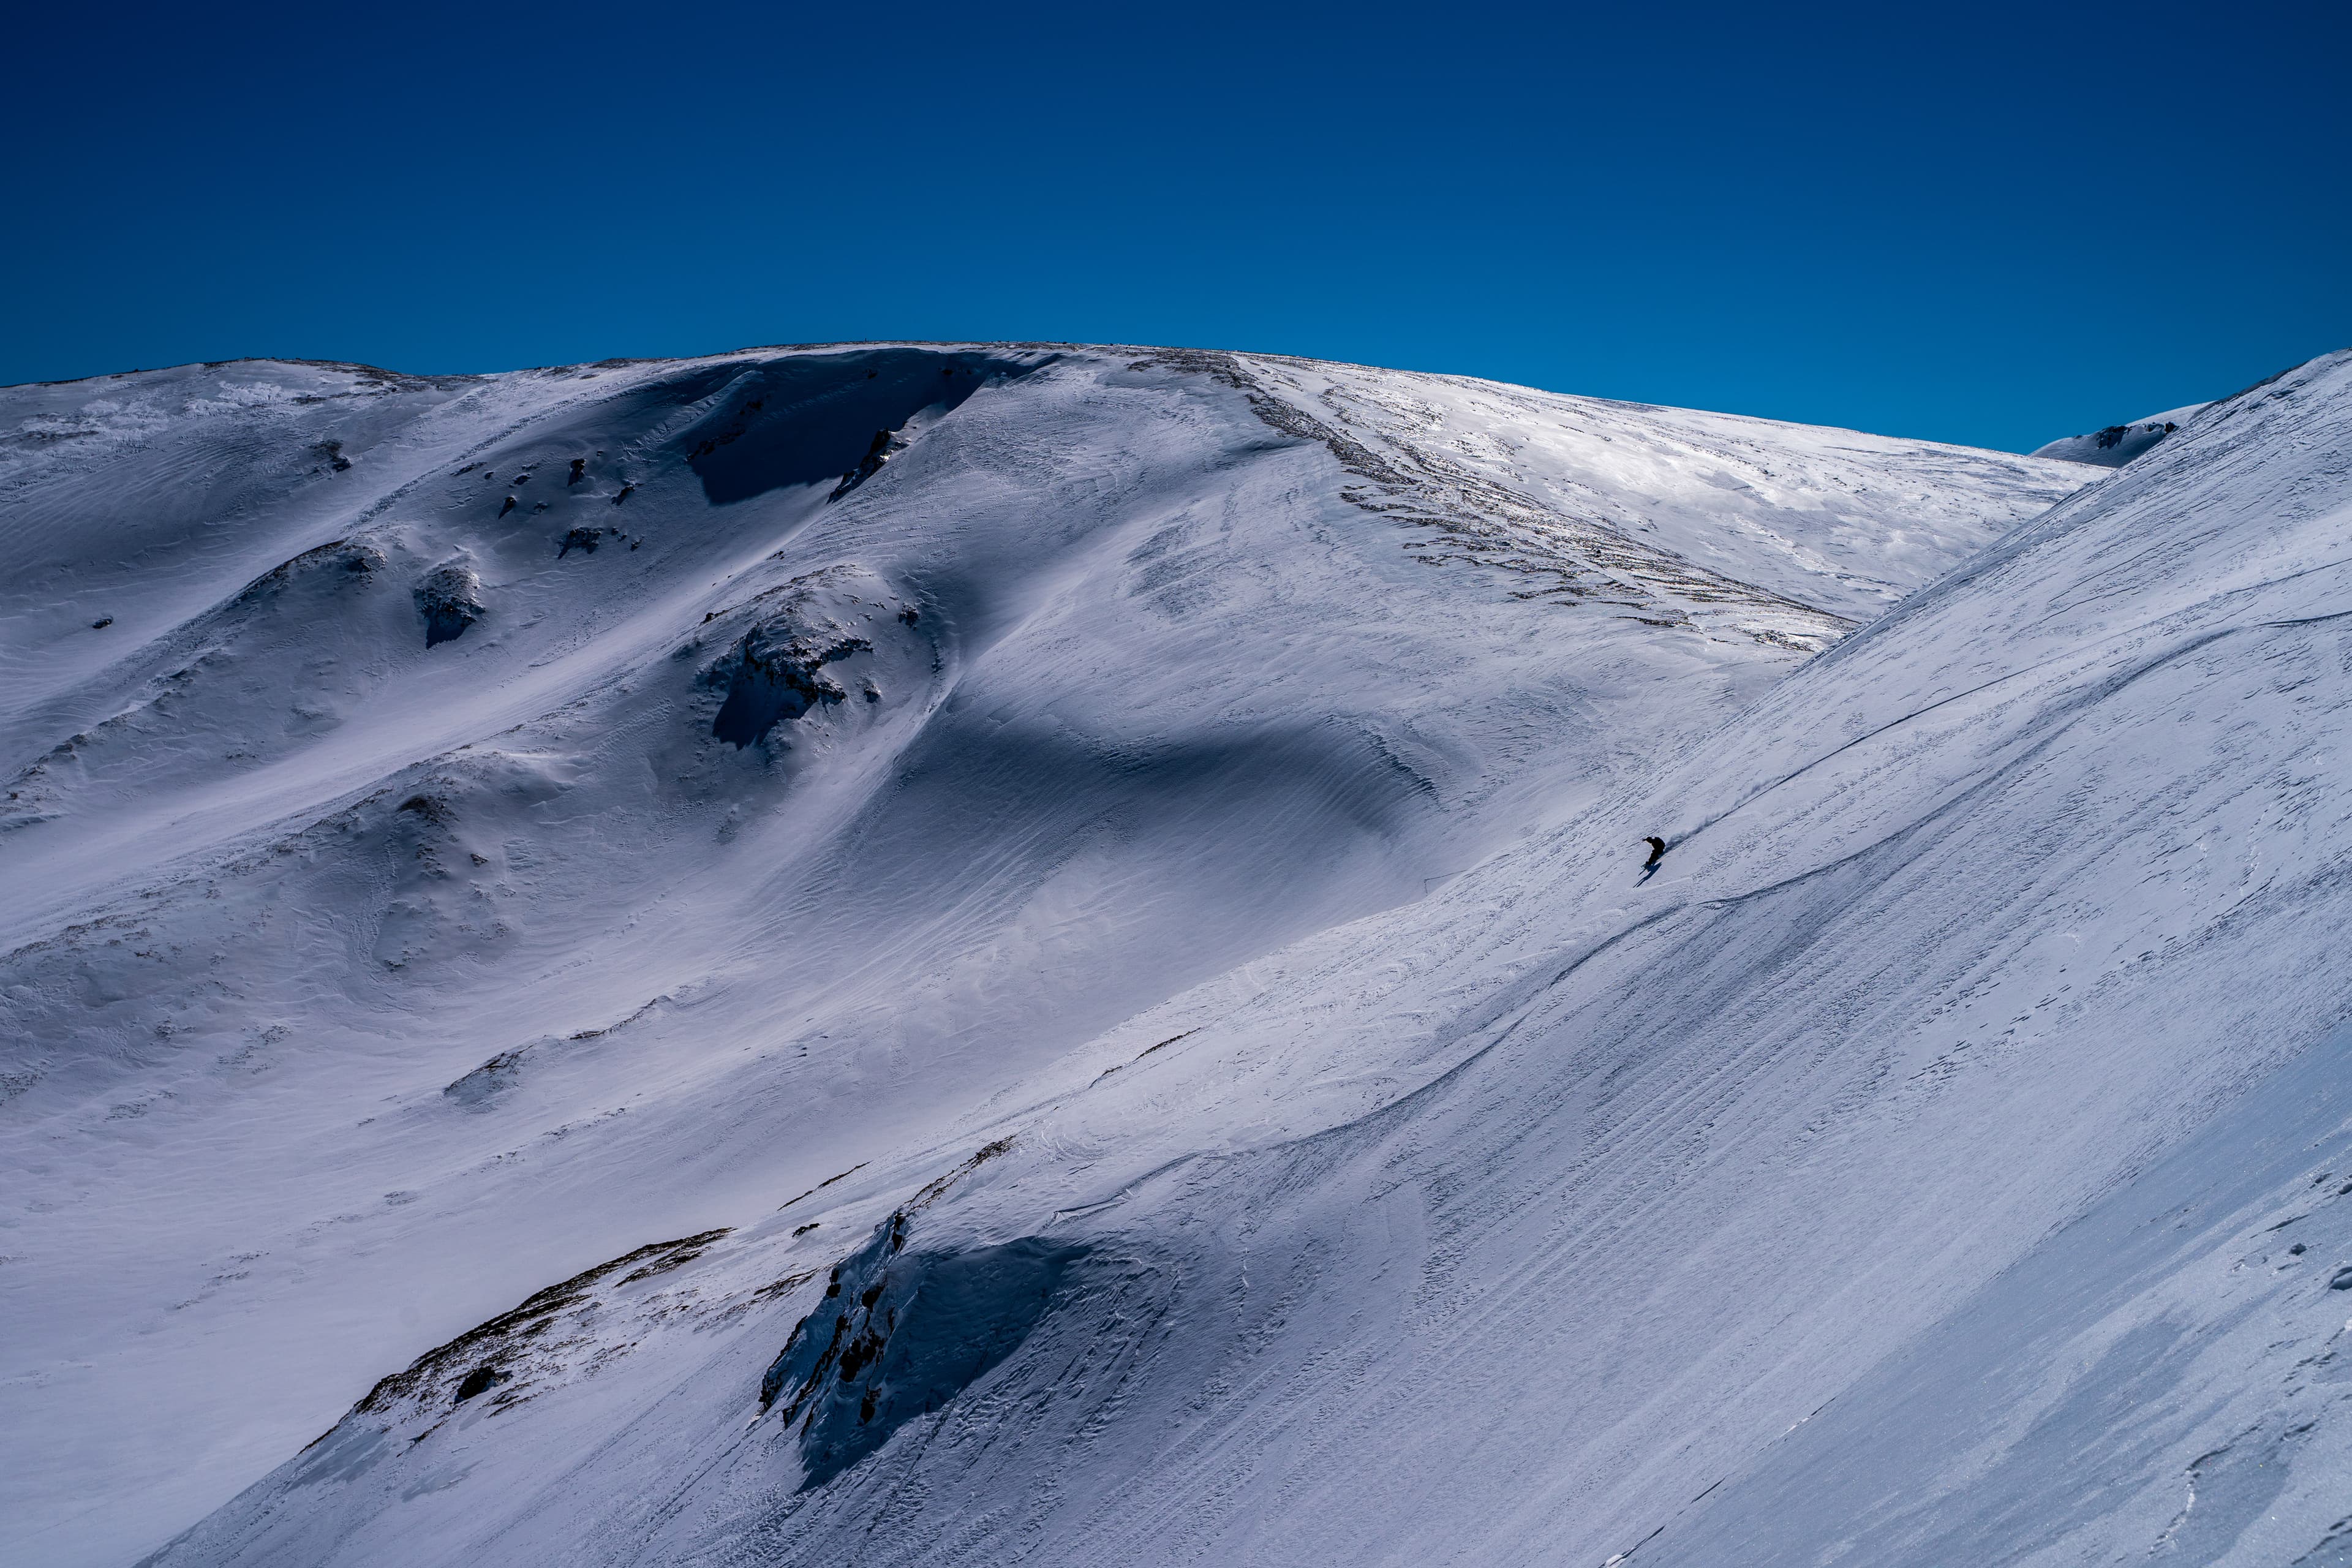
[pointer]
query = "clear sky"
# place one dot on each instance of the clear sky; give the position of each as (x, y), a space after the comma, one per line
(1989, 223)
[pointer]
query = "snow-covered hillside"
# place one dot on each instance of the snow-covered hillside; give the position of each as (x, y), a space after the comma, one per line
(1059, 933)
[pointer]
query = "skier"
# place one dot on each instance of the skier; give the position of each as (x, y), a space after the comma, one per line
(1658, 853)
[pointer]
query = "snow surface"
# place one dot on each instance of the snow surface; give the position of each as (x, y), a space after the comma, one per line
(1201, 1016)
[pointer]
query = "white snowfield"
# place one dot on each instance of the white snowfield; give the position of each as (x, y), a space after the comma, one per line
(963, 954)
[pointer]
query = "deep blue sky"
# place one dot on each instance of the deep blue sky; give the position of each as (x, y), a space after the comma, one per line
(1984, 224)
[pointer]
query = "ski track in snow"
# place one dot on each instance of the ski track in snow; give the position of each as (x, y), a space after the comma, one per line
(1173, 944)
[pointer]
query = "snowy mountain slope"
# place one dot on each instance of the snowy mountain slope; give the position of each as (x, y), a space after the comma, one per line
(1724, 518)
(2161, 1371)
(1904, 1173)
(507, 821)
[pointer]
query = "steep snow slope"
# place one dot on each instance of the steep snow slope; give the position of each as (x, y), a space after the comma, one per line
(507, 821)
(1942, 1158)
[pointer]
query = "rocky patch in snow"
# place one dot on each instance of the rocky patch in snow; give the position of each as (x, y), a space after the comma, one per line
(450, 600)
(2116, 445)
(778, 669)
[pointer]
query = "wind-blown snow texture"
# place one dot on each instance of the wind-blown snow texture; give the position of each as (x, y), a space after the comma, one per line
(1138, 854)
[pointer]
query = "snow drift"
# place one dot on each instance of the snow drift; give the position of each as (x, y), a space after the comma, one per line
(1104, 912)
